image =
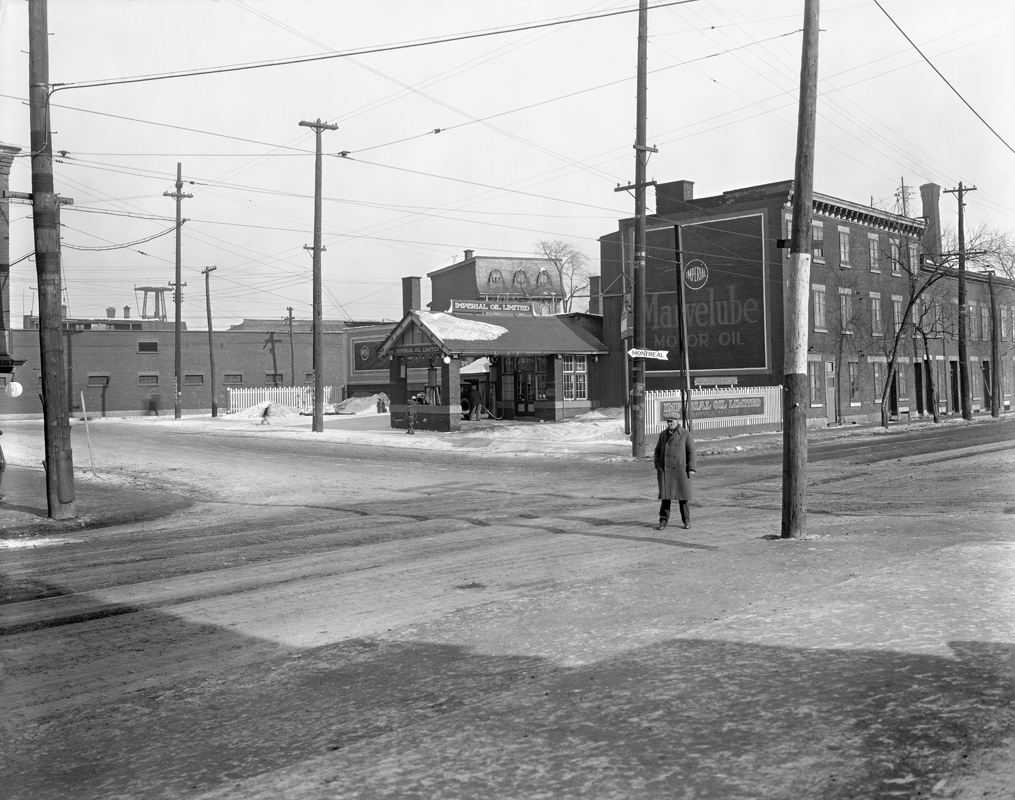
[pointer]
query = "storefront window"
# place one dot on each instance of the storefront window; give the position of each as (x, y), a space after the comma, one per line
(575, 378)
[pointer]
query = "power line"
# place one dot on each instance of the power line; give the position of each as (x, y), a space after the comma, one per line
(348, 53)
(942, 77)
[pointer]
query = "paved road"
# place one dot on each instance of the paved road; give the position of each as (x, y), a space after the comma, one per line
(349, 622)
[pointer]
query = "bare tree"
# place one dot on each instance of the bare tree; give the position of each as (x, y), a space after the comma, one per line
(572, 268)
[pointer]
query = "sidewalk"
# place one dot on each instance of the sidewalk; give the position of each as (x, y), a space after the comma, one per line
(99, 504)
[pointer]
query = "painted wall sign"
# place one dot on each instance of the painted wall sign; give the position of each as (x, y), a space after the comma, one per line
(695, 274)
(724, 303)
(747, 406)
(415, 349)
(489, 307)
(365, 356)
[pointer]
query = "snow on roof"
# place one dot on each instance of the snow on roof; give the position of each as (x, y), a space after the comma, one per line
(445, 327)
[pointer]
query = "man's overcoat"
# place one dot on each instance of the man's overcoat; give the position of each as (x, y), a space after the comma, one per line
(674, 456)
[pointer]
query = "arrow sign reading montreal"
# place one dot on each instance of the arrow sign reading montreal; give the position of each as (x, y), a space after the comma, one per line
(662, 355)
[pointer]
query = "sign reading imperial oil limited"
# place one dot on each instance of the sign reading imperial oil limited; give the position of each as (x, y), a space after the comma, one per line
(724, 295)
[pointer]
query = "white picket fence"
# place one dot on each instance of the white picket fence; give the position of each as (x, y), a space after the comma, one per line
(717, 401)
(301, 397)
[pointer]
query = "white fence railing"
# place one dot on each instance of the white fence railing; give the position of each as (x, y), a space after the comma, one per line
(740, 407)
(301, 397)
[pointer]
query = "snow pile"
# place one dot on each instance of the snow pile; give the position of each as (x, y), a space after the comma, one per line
(600, 413)
(274, 410)
(362, 405)
(447, 327)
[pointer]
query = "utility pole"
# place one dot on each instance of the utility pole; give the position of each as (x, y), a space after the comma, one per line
(59, 457)
(995, 357)
(179, 196)
(292, 350)
(964, 388)
(795, 286)
(318, 424)
(641, 151)
(207, 271)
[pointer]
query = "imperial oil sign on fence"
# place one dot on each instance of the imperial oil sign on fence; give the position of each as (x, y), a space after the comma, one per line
(724, 295)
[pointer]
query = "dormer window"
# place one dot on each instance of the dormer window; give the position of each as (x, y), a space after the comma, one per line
(521, 279)
(495, 280)
(543, 278)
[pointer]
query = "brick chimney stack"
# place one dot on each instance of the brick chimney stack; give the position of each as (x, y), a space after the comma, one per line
(674, 197)
(930, 193)
(411, 296)
(595, 295)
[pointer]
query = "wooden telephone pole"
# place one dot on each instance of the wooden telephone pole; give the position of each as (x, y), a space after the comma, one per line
(965, 390)
(795, 289)
(179, 196)
(292, 349)
(207, 271)
(318, 424)
(641, 151)
(59, 457)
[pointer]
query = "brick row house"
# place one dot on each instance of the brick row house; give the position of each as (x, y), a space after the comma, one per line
(880, 291)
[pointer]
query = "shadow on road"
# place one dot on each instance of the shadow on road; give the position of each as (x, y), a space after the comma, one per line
(377, 718)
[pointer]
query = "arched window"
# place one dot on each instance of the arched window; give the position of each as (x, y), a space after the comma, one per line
(521, 280)
(495, 280)
(543, 278)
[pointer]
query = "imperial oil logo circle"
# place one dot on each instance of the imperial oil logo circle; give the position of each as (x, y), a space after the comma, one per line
(695, 274)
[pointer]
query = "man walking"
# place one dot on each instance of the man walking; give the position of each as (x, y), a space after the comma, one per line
(674, 462)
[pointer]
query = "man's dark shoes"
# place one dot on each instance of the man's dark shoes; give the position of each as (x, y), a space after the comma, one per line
(661, 526)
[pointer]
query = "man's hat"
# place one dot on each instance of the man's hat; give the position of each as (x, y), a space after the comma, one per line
(671, 415)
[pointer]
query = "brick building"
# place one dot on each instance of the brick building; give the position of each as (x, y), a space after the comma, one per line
(864, 267)
(121, 371)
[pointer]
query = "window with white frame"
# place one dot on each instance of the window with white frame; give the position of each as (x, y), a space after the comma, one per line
(845, 310)
(818, 240)
(874, 252)
(914, 258)
(972, 322)
(1005, 322)
(233, 378)
(818, 297)
(843, 246)
(879, 381)
(877, 328)
(575, 377)
(854, 383)
(897, 312)
(98, 380)
(895, 254)
(985, 323)
(148, 379)
(193, 379)
(816, 382)
(902, 380)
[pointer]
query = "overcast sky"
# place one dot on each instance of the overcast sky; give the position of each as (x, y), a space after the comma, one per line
(537, 128)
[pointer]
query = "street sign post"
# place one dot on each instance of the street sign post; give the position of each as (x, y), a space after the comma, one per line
(661, 355)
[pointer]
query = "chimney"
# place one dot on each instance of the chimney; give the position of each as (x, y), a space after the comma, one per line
(930, 193)
(595, 295)
(411, 298)
(674, 197)
(468, 255)
(126, 312)
(111, 311)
